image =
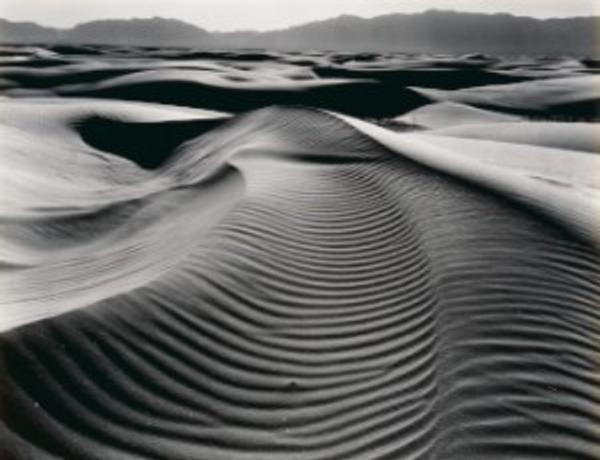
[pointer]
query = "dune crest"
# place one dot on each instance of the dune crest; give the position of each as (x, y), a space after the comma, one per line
(545, 179)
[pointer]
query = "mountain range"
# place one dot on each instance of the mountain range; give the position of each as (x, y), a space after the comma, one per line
(433, 31)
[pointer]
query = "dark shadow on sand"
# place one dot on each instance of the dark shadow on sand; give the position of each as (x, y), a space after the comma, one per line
(364, 99)
(146, 144)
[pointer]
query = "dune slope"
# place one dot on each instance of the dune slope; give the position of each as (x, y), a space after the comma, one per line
(294, 284)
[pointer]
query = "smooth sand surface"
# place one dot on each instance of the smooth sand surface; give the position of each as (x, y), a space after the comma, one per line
(583, 137)
(449, 114)
(571, 98)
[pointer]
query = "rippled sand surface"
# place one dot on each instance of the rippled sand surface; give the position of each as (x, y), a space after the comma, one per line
(273, 256)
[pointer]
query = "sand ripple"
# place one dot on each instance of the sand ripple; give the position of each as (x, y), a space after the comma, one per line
(295, 284)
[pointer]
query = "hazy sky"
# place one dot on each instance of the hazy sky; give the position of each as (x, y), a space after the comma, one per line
(268, 14)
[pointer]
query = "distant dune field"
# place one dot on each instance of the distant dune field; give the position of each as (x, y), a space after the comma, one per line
(260, 255)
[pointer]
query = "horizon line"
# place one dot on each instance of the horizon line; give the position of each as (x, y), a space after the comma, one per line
(258, 30)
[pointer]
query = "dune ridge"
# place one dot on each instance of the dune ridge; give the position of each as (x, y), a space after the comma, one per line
(197, 264)
(342, 301)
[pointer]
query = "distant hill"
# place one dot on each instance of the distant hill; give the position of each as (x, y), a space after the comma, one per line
(155, 31)
(26, 32)
(430, 32)
(435, 32)
(141, 32)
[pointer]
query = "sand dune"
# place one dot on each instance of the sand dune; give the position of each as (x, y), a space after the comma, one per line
(584, 137)
(573, 97)
(296, 282)
(446, 114)
(238, 92)
(560, 183)
(64, 172)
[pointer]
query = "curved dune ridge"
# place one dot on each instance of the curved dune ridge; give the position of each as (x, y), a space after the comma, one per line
(451, 114)
(293, 284)
(188, 271)
(572, 98)
(582, 137)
